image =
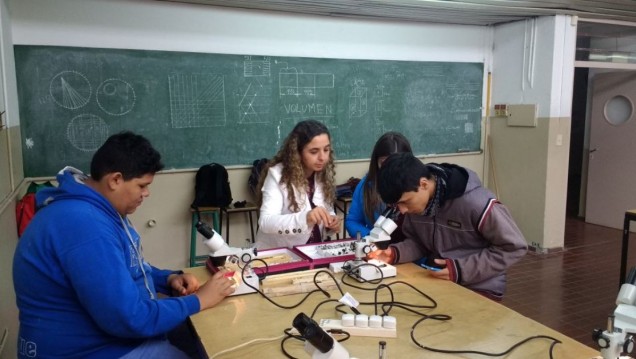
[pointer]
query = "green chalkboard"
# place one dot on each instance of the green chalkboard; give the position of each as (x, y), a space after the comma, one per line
(198, 108)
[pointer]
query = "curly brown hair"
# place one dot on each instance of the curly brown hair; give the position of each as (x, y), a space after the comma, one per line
(293, 174)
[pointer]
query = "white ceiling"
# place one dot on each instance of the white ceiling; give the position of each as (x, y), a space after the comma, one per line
(468, 12)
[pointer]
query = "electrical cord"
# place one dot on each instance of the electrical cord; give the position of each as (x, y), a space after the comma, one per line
(264, 275)
(257, 340)
(444, 317)
(349, 271)
(386, 307)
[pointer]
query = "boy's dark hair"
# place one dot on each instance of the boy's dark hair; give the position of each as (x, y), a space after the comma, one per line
(128, 153)
(401, 172)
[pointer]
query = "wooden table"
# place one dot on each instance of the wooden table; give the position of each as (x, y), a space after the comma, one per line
(477, 323)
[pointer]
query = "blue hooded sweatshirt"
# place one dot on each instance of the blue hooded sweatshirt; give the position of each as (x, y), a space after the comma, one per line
(79, 285)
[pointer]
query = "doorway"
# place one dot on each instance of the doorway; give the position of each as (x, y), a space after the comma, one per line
(601, 47)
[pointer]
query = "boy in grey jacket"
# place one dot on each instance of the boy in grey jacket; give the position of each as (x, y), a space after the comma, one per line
(451, 220)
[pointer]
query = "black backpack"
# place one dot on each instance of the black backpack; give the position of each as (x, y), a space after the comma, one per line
(212, 187)
(255, 175)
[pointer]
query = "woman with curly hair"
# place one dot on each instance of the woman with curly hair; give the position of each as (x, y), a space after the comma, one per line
(296, 197)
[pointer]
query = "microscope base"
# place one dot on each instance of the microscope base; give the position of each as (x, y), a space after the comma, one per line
(379, 270)
(252, 279)
(365, 272)
(241, 288)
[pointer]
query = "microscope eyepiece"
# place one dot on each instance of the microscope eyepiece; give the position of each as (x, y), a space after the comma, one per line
(313, 333)
(204, 229)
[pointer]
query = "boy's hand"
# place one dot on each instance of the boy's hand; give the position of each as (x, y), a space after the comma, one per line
(215, 289)
(384, 255)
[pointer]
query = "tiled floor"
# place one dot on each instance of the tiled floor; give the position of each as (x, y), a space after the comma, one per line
(574, 290)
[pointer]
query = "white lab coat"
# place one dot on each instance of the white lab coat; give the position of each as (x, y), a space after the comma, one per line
(278, 226)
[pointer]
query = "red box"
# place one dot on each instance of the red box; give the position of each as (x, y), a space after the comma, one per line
(323, 253)
(299, 262)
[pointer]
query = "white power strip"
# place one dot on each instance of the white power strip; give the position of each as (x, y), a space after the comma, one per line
(380, 332)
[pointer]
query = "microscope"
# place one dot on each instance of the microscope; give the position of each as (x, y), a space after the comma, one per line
(231, 258)
(381, 232)
(318, 343)
(620, 335)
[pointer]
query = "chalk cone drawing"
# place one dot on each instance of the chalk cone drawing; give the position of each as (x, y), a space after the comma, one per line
(70, 89)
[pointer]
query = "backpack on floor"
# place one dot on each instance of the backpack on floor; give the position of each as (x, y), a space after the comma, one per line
(212, 187)
(255, 175)
(25, 208)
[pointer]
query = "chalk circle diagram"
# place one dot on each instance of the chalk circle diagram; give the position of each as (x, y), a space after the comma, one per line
(87, 132)
(70, 89)
(115, 97)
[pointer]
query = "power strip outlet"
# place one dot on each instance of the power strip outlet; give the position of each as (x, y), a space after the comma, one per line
(381, 332)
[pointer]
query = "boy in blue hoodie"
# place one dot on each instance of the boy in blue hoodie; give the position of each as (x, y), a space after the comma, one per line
(82, 285)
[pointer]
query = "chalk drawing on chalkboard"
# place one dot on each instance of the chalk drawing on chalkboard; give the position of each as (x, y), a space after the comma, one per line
(70, 89)
(254, 103)
(197, 100)
(292, 83)
(86, 132)
(469, 127)
(257, 66)
(115, 97)
(358, 99)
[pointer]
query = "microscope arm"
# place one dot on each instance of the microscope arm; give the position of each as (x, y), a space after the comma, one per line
(219, 248)
(381, 232)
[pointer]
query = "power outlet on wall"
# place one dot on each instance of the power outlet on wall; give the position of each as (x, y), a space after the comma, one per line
(537, 247)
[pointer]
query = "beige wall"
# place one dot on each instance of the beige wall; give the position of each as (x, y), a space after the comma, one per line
(11, 184)
(537, 70)
(526, 160)
(8, 309)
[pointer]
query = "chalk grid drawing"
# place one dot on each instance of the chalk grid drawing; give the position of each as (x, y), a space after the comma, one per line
(115, 97)
(86, 132)
(255, 101)
(70, 89)
(257, 66)
(358, 99)
(197, 100)
(255, 88)
(293, 83)
(379, 108)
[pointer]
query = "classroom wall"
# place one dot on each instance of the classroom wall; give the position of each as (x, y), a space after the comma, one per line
(183, 27)
(534, 64)
(158, 25)
(11, 176)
